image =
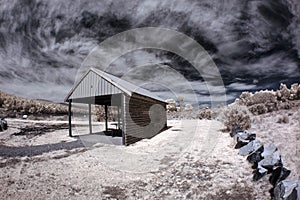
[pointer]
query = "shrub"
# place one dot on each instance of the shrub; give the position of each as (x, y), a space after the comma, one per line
(267, 101)
(295, 91)
(205, 114)
(283, 119)
(236, 114)
(261, 97)
(17, 105)
(171, 106)
(283, 93)
(188, 107)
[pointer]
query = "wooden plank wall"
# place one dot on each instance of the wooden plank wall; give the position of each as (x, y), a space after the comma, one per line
(145, 118)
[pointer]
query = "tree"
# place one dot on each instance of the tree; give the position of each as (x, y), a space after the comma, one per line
(180, 100)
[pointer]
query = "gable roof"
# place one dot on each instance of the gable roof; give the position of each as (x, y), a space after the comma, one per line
(117, 85)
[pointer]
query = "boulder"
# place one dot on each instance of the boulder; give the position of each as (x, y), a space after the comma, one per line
(3, 124)
(255, 157)
(279, 174)
(271, 159)
(287, 190)
(243, 138)
(235, 129)
(250, 148)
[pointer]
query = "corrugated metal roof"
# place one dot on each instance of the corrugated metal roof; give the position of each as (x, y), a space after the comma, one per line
(96, 83)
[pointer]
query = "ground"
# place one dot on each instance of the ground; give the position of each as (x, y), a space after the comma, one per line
(193, 159)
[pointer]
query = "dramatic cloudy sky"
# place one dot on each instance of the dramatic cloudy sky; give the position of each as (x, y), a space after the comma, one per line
(254, 43)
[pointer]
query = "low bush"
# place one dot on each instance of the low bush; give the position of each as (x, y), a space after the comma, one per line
(13, 105)
(283, 119)
(236, 114)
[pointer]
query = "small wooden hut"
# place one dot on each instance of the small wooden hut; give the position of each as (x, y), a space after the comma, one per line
(142, 114)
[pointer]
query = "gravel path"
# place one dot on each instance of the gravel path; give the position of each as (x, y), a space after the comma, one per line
(191, 160)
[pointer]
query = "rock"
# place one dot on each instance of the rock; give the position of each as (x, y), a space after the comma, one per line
(258, 174)
(243, 138)
(271, 159)
(279, 174)
(250, 148)
(3, 124)
(287, 190)
(234, 130)
(268, 151)
(25, 116)
(255, 157)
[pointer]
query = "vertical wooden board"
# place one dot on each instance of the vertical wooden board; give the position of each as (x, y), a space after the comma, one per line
(70, 117)
(90, 118)
(123, 114)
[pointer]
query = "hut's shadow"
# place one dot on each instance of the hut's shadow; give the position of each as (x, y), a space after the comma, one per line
(14, 151)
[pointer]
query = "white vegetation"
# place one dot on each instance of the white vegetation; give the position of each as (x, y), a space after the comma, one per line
(236, 114)
(188, 107)
(13, 105)
(239, 113)
(268, 101)
(178, 105)
(171, 106)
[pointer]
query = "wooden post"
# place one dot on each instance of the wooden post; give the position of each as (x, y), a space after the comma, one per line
(123, 117)
(106, 118)
(90, 118)
(70, 120)
(119, 117)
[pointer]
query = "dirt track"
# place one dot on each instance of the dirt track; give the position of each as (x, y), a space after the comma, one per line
(193, 159)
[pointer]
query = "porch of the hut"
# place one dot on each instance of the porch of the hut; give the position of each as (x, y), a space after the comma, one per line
(106, 101)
